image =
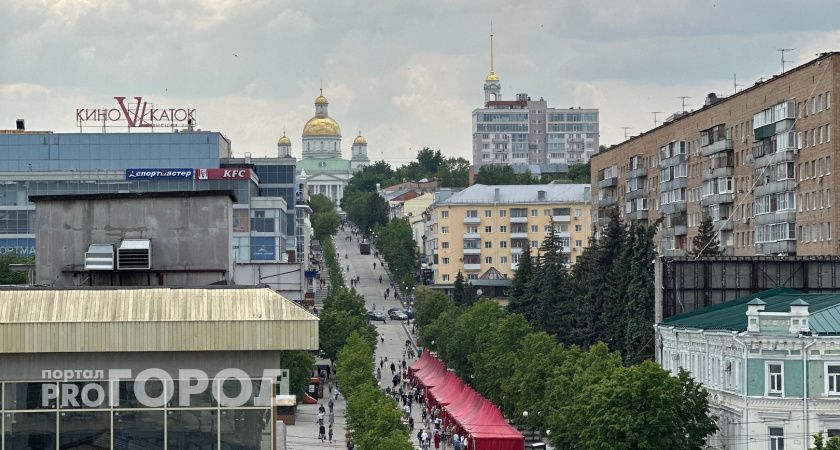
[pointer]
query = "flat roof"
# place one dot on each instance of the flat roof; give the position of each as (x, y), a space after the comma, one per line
(133, 195)
(43, 320)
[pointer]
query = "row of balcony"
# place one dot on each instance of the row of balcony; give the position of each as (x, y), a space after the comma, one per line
(477, 220)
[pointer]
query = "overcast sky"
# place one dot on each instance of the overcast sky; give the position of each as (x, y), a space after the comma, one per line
(408, 74)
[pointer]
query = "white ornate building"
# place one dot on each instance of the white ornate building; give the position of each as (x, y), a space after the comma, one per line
(327, 173)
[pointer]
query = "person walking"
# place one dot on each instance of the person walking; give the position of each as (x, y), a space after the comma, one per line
(321, 433)
(437, 439)
(374, 265)
(411, 424)
(330, 434)
(380, 279)
(331, 404)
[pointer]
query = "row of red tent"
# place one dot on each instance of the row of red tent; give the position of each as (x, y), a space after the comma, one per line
(463, 407)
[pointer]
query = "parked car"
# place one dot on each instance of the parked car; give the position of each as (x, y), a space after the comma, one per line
(376, 315)
(398, 315)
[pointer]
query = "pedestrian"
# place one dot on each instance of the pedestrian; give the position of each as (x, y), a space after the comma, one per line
(456, 442)
(337, 393)
(385, 296)
(420, 438)
(381, 361)
(407, 410)
(382, 338)
(351, 445)
(464, 443)
(374, 265)
(331, 433)
(331, 404)
(393, 368)
(321, 409)
(331, 418)
(411, 424)
(425, 444)
(320, 420)
(437, 439)
(380, 279)
(321, 433)
(378, 374)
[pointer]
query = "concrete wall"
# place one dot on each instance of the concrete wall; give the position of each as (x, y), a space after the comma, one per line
(285, 278)
(28, 366)
(190, 236)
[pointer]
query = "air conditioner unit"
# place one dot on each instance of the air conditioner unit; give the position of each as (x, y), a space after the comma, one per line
(134, 254)
(99, 257)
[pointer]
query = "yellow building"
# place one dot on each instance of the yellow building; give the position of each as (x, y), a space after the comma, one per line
(482, 230)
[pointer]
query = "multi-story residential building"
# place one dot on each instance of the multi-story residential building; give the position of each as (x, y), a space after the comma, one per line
(525, 131)
(482, 230)
(770, 362)
(758, 162)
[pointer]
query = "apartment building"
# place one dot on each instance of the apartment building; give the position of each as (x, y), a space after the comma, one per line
(758, 162)
(482, 230)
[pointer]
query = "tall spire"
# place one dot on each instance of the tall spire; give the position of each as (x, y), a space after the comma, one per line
(492, 75)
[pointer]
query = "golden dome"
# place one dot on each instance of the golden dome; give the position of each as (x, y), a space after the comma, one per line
(321, 126)
(359, 140)
(492, 77)
(321, 100)
(284, 141)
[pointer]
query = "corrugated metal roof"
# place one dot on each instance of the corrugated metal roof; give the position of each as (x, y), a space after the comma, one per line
(512, 194)
(824, 312)
(152, 319)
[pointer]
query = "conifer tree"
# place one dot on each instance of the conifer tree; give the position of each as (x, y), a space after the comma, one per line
(459, 290)
(638, 337)
(521, 283)
(706, 242)
(555, 313)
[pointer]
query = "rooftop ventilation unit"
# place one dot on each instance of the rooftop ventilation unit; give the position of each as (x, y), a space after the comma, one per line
(135, 254)
(99, 257)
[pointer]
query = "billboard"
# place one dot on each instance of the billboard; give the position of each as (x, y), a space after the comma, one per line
(159, 174)
(237, 173)
(263, 249)
(136, 113)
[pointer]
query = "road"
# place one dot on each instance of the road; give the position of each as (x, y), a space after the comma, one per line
(304, 434)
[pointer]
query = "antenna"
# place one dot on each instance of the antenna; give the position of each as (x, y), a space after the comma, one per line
(625, 131)
(654, 117)
(735, 82)
(491, 46)
(683, 97)
(782, 51)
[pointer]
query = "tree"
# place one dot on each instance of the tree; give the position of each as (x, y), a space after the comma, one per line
(395, 242)
(520, 301)
(6, 274)
(429, 305)
(365, 209)
(494, 354)
(320, 203)
(365, 180)
(325, 224)
(821, 444)
(705, 243)
(491, 174)
(336, 326)
(538, 356)
(472, 326)
(638, 338)
(454, 172)
(579, 173)
(556, 312)
(300, 364)
(640, 407)
(459, 289)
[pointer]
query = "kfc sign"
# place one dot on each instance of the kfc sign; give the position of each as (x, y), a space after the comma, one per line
(223, 174)
(135, 113)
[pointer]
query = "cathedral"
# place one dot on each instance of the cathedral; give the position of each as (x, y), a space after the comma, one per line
(325, 171)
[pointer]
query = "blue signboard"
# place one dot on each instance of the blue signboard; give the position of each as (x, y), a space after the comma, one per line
(23, 246)
(159, 174)
(263, 249)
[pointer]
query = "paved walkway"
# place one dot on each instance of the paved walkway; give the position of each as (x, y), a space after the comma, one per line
(304, 434)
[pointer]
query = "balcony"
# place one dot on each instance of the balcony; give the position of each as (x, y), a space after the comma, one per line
(472, 236)
(676, 183)
(723, 225)
(672, 208)
(787, 215)
(717, 199)
(565, 218)
(519, 235)
(711, 174)
(637, 215)
(472, 266)
(774, 187)
(638, 193)
(523, 219)
(774, 248)
(608, 182)
(673, 161)
(716, 147)
(516, 251)
(472, 220)
(472, 251)
(606, 202)
(637, 173)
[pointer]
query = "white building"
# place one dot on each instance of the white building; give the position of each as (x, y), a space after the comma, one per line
(770, 362)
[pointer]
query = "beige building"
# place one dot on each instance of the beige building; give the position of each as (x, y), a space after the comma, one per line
(482, 230)
(758, 162)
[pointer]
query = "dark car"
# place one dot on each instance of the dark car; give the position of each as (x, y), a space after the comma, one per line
(398, 314)
(376, 315)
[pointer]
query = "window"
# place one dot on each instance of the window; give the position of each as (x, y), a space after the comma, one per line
(488, 229)
(534, 244)
(445, 260)
(777, 438)
(832, 379)
(578, 212)
(502, 244)
(503, 228)
(488, 244)
(472, 276)
(578, 227)
(534, 213)
(546, 212)
(534, 228)
(444, 245)
(472, 229)
(546, 228)
(774, 378)
(445, 277)
(488, 260)
(444, 215)
(488, 213)
(472, 213)
(578, 243)
(444, 230)
(503, 213)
